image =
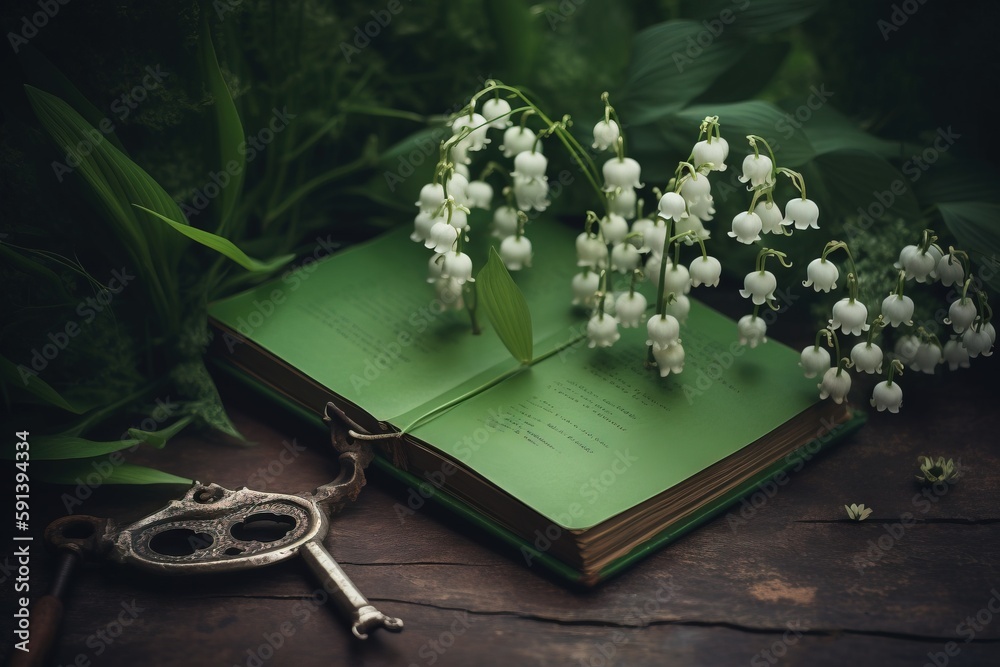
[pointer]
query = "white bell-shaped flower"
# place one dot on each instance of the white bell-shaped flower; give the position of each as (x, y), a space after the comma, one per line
(449, 293)
(431, 198)
(459, 155)
(602, 331)
(978, 341)
(950, 271)
(653, 237)
(477, 139)
(867, 357)
(676, 280)
(803, 212)
(906, 348)
(695, 188)
(705, 270)
(662, 331)
(703, 209)
(641, 226)
(422, 225)
(746, 227)
(585, 286)
(759, 286)
(955, 354)
(496, 111)
(622, 173)
(752, 330)
(518, 139)
(459, 218)
(480, 194)
(961, 314)
(624, 257)
(887, 396)
(814, 360)
(834, 385)
(531, 193)
(770, 217)
(821, 275)
(927, 358)
(680, 308)
(714, 153)
(652, 266)
(606, 134)
(515, 251)
(458, 266)
(529, 165)
(504, 222)
(435, 266)
(442, 236)
(851, 316)
(692, 224)
(918, 265)
(669, 359)
(457, 187)
(462, 170)
(897, 309)
(672, 206)
(622, 202)
(757, 170)
(614, 228)
(630, 308)
(591, 251)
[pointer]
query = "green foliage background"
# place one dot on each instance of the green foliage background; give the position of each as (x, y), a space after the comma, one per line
(358, 108)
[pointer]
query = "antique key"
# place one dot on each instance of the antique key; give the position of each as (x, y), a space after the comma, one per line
(214, 529)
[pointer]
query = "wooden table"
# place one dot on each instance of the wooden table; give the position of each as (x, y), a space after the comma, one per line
(783, 579)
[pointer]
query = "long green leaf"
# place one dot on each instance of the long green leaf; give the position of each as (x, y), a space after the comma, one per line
(669, 69)
(66, 446)
(229, 129)
(756, 17)
(73, 472)
(506, 307)
(974, 224)
(222, 246)
(13, 376)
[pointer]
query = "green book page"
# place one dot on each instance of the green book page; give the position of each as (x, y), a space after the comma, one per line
(589, 433)
(366, 324)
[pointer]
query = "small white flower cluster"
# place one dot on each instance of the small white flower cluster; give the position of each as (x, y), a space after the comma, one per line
(920, 351)
(610, 244)
(442, 223)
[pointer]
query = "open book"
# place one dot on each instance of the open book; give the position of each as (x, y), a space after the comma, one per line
(584, 460)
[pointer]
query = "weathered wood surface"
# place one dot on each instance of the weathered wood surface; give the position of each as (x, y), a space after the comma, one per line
(788, 582)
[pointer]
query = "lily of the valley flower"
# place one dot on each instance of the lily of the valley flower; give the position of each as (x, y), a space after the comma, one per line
(672, 206)
(759, 286)
(867, 357)
(431, 198)
(622, 202)
(757, 170)
(669, 359)
(434, 267)
(752, 330)
(979, 341)
(814, 360)
(449, 293)
(602, 330)
(476, 139)
(906, 348)
(531, 193)
(515, 251)
(442, 236)
(703, 209)
(836, 384)
(705, 270)
(677, 280)
(692, 224)
(662, 331)
(695, 188)
(630, 307)
(712, 152)
(918, 265)
(504, 222)
(614, 228)
(679, 308)
(955, 354)
(850, 315)
(422, 227)
(746, 227)
(585, 286)
(898, 309)
(961, 314)
(606, 133)
(821, 275)
(927, 357)
(518, 139)
(480, 194)
(803, 212)
(458, 266)
(497, 112)
(950, 271)
(591, 251)
(624, 257)
(887, 396)
(770, 217)
(621, 173)
(653, 237)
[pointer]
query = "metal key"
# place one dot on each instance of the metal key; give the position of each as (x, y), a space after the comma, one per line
(214, 529)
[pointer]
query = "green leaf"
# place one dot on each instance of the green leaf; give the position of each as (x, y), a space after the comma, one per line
(861, 180)
(757, 17)
(229, 129)
(747, 77)
(71, 472)
(13, 376)
(974, 224)
(506, 307)
(67, 446)
(669, 69)
(222, 246)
